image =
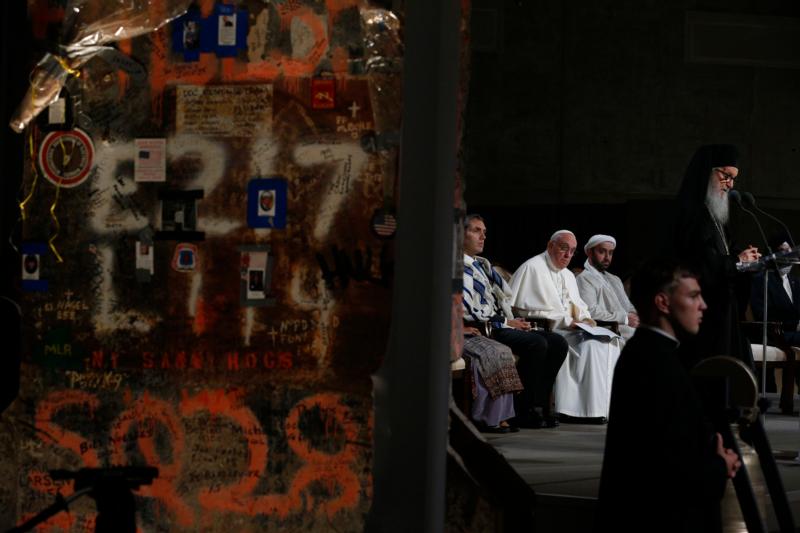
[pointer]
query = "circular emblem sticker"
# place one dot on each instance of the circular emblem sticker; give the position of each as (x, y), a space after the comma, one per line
(66, 157)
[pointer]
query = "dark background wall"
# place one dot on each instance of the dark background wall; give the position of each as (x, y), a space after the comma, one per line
(586, 115)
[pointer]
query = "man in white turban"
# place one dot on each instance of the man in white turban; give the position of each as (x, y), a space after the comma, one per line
(543, 287)
(602, 291)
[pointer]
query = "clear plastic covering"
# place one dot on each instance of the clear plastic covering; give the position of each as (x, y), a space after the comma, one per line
(382, 39)
(90, 25)
(383, 46)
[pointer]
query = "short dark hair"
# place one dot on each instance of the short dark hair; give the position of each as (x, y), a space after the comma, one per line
(658, 274)
(470, 218)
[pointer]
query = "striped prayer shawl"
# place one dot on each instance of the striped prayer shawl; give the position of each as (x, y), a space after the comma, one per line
(485, 293)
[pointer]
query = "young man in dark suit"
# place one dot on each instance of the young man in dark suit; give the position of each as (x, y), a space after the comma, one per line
(664, 469)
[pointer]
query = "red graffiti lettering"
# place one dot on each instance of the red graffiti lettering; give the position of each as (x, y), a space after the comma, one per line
(150, 411)
(234, 498)
(333, 469)
(320, 431)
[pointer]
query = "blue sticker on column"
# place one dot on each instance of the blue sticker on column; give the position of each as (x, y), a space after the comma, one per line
(225, 31)
(32, 253)
(186, 34)
(266, 203)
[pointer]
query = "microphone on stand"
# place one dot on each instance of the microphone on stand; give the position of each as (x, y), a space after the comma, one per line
(738, 199)
(750, 201)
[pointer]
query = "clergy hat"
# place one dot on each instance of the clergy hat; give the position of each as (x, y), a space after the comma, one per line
(555, 235)
(723, 155)
(597, 239)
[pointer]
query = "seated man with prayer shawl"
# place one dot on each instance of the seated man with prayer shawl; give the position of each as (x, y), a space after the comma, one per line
(602, 291)
(543, 287)
(487, 304)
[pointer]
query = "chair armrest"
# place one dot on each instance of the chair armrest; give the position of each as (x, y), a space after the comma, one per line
(753, 327)
(609, 324)
(544, 324)
(484, 327)
(758, 322)
(754, 330)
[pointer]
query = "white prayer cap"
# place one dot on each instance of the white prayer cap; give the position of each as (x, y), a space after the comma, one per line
(597, 239)
(555, 235)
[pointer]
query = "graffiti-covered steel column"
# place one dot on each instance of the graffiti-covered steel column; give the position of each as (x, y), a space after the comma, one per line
(207, 256)
(412, 387)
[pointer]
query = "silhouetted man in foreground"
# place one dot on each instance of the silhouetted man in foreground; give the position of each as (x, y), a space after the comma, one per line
(664, 469)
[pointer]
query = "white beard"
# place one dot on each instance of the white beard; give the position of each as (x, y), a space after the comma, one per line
(717, 204)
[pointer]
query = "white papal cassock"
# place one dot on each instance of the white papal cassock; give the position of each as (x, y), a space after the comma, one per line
(583, 385)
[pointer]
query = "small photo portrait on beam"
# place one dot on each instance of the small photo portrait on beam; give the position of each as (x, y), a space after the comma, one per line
(266, 203)
(32, 253)
(255, 267)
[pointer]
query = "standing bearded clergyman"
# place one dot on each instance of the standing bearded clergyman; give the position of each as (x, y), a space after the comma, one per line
(702, 238)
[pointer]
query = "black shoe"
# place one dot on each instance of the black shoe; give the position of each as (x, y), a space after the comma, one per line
(599, 420)
(532, 421)
(511, 427)
(495, 429)
(551, 421)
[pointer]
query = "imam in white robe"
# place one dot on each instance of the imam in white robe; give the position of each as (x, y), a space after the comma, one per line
(583, 385)
(605, 297)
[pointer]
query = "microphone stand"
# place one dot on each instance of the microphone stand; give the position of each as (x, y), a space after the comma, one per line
(765, 264)
(737, 197)
(764, 340)
(750, 200)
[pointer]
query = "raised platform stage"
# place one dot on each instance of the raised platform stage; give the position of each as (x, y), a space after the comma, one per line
(563, 466)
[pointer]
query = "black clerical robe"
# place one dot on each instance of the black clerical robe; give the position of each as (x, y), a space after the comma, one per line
(660, 471)
(706, 247)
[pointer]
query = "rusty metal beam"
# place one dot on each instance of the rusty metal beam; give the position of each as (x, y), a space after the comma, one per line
(412, 387)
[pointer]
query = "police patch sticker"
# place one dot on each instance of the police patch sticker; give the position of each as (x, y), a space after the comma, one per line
(185, 258)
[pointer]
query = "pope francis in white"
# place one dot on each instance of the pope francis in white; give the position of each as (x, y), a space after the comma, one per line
(543, 287)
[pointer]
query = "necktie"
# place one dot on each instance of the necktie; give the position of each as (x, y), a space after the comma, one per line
(787, 287)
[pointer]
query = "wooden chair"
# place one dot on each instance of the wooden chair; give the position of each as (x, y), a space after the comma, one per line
(461, 372)
(461, 376)
(779, 355)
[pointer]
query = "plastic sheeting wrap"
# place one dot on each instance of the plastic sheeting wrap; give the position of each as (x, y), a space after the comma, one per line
(91, 25)
(384, 62)
(384, 65)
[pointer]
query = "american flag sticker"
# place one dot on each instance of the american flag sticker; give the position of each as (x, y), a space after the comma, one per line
(384, 224)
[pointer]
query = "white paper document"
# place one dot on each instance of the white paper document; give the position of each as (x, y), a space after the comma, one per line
(597, 331)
